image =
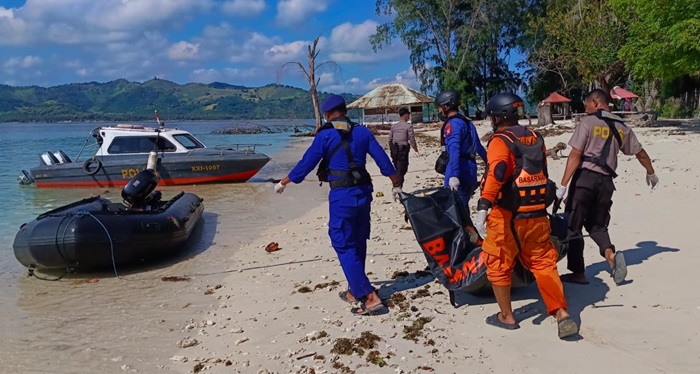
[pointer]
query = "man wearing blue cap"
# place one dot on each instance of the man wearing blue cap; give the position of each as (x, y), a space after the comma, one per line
(343, 154)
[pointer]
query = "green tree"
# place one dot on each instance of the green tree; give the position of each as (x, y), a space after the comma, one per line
(663, 43)
(576, 40)
(432, 30)
(664, 37)
(456, 44)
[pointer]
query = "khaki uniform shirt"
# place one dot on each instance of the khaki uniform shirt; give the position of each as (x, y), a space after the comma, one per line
(401, 133)
(590, 136)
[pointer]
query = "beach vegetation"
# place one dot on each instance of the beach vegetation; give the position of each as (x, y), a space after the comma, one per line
(568, 46)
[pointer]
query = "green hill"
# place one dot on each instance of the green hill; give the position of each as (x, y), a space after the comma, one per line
(132, 101)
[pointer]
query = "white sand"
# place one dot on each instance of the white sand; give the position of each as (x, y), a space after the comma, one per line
(260, 322)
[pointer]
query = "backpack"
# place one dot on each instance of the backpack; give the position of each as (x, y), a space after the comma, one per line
(355, 176)
(529, 191)
(323, 171)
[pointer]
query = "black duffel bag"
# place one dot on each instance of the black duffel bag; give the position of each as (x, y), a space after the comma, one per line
(451, 246)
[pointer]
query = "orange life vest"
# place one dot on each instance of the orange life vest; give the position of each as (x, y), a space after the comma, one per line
(529, 191)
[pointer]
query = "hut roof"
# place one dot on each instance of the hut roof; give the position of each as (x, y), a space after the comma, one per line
(620, 93)
(390, 96)
(555, 97)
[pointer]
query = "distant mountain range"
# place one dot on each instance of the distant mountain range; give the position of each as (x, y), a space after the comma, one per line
(122, 100)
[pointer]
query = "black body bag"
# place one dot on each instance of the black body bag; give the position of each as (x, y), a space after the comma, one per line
(451, 246)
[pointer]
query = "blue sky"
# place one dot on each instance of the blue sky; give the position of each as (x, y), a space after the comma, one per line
(51, 42)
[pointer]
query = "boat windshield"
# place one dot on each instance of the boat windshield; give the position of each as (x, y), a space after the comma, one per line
(140, 144)
(188, 141)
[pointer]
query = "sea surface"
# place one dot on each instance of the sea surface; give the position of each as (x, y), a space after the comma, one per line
(126, 323)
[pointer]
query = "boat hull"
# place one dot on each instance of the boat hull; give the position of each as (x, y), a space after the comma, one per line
(203, 166)
(92, 233)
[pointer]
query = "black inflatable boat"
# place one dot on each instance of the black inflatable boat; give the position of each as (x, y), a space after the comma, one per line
(96, 233)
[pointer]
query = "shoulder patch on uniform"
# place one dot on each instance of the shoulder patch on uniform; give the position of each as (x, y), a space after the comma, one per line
(448, 129)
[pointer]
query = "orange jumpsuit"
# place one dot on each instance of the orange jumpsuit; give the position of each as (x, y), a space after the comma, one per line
(526, 238)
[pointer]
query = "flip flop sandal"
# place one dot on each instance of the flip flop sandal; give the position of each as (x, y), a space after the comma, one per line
(569, 278)
(344, 296)
(494, 321)
(363, 310)
(567, 327)
(619, 271)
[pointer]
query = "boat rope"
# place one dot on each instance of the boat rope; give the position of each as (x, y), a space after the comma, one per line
(84, 213)
(31, 273)
(111, 243)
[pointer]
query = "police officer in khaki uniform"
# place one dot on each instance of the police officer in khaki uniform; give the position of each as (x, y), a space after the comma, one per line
(401, 136)
(592, 163)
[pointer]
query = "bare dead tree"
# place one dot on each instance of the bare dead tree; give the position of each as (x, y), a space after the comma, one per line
(310, 75)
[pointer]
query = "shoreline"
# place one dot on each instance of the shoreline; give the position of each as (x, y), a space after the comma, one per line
(279, 312)
(130, 324)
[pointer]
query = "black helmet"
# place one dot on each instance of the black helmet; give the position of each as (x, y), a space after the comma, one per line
(449, 98)
(505, 106)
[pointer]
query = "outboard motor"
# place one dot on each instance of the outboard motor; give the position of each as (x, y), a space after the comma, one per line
(136, 192)
(25, 177)
(48, 158)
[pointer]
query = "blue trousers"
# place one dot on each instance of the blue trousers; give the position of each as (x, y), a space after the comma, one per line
(465, 192)
(349, 228)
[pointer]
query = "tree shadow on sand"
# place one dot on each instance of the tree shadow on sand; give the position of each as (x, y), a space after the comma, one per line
(578, 296)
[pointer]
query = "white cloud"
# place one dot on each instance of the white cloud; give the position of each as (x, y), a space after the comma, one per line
(7, 13)
(138, 60)
(183, 51)
(243, 8)
(281, 53)
(22, 62)
(252, 48)
(349, 43)
(328, 78)
(293, 12)
(353, 37)
(90, 21)
(24, 69)
(333, 83)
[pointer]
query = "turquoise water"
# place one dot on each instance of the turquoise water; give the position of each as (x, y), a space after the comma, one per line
(50, 327)
(22, 143)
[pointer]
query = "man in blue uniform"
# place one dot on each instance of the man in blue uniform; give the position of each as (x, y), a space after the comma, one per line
(342, 147)
(461, 142)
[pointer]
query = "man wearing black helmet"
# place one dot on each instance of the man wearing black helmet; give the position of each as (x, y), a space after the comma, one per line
(515, 190)
(460, 145)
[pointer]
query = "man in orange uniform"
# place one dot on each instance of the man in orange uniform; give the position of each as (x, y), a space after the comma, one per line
(515, 188)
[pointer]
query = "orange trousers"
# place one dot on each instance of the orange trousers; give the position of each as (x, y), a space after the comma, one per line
(536, 252)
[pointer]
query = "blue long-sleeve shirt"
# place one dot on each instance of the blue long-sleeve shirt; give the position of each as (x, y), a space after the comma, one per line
(362, 143)
(463, 144)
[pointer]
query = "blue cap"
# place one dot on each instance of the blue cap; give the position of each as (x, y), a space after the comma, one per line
(332, 102)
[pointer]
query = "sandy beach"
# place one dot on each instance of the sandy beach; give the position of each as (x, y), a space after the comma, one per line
(280, 313)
